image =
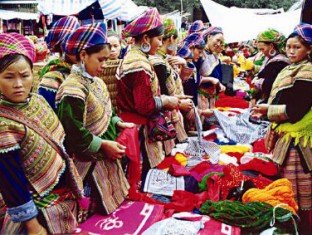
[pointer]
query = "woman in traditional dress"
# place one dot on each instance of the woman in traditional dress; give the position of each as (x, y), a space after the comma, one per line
(39, 182)
(271, 43)
(289, 110)
(56, 71)
(111, 65)
(166, 66)
(210, 69)
(84, 108)
(137, 84)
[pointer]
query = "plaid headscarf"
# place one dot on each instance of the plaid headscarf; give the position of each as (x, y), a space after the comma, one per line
(60, 30)
(196, 26)
(84, 37)
(305, 31)
(194, 39)
(14, 43)
(273, 36)
(184, 50)
(146, 22)
(170, 28)
(212, 31)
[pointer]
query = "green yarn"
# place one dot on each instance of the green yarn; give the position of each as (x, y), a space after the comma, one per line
(202, 185)
(253, 215)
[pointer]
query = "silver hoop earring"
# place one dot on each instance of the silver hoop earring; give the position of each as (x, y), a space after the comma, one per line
(145, 47)
(82, 67)
(272, 53)
(172, 47)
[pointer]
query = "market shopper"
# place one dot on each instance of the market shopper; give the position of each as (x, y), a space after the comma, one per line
(38, 179)
(56, 71)
(90, 123)
(289, 110)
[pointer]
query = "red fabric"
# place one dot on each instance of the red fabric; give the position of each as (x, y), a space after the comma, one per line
(133, 117)
(129, 137)
(167, 162)
(186, 201)
(213, 187)
(135, 94)
(236, 155)
(259, 147)
(259, 165)
(230, 101)
(214, 227)
(178, 170)
(201, 167)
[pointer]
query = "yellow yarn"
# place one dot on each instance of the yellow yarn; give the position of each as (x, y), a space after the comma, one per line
(181, 158)
(234, 148)
(277, 193)
(302, 128)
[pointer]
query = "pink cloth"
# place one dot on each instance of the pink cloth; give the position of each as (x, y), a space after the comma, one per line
(129, 218)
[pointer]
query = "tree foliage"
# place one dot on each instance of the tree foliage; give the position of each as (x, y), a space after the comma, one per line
(170, 5)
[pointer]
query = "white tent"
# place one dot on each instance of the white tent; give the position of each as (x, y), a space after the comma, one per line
(125, 10)
(239, 25)
(8, 15)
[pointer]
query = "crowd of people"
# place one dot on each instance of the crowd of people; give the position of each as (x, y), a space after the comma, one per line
(107, 112)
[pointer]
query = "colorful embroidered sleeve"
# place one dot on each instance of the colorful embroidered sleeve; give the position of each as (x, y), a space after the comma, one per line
(296, 100)
(11, 134)
(78, 139)
(14, 189)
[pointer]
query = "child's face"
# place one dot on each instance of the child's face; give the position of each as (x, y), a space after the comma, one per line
(16, 81)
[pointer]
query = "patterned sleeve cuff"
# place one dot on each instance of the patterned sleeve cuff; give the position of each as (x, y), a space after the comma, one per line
(158, 103)
(116, 119)
(23, 212)
(277, 113)
(95, 145)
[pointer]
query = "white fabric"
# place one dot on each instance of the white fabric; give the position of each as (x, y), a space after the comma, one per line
(239, 25)
(8, 15)
(160, 182)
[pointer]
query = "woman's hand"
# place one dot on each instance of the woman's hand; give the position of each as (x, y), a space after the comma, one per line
(170, 102)
(176, 60)
(259, 111)
(212, 80)
(221, 87)
(34, 227)
(122, 125)
(113, 149)
(205, 112)
(185, 105)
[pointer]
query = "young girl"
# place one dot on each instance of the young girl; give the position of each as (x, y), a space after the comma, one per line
(56, 71)
(84, 108)
(38, 179)
(289, 109)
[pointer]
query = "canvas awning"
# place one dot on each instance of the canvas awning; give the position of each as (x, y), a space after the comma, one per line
(239, 25)
(9, 15)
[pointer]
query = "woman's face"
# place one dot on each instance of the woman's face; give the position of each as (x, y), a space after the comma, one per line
(296, 51)
(95, 62)
(215, 42)
(156, 43)
(197, 53)
(265, 48)
(16, 81)
(115, 47)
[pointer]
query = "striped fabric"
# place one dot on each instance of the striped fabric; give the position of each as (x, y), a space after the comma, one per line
(111, 8)
(184, 51)
(170, 28)
(305, 31)
(194, 39)
(148, 21)
(211, 31)
(61, 29)
(301, 180)
(14, 43)
(84, 37)
(196, 26)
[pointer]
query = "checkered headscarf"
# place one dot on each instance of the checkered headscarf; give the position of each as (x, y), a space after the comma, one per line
(61, 29)
(273, 36)
(196, 26)
(84, 37)
(146, 22)
(184, 50)
(305, 31)
(194, 39)
(212, 31)
(14, 43)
